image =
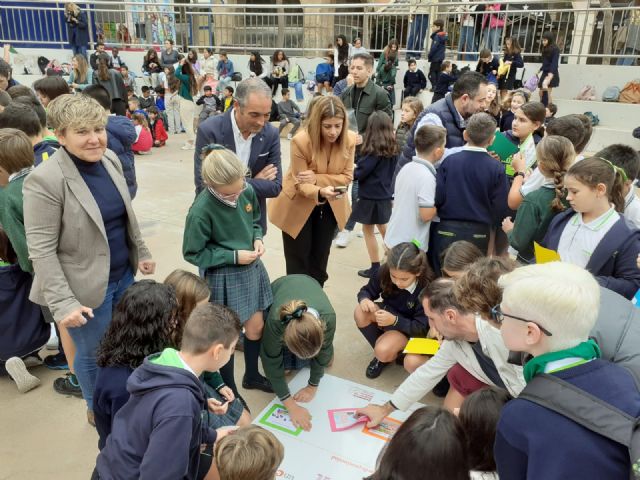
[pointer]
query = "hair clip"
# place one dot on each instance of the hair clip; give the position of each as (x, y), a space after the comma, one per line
(416, 243)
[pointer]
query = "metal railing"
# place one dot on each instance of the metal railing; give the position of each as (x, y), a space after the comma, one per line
(586, 31)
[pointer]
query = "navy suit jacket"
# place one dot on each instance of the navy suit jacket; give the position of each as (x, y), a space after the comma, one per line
(265, 150)
(613, 262)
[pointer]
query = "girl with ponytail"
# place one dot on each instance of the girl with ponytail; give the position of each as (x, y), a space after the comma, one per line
(555, 155)
(593, 234)
(298, 332)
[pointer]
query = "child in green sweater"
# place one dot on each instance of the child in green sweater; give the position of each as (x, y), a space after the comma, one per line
(555, 155)
(223, 237)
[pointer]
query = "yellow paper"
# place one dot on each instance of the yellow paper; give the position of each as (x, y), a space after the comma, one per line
(422, 346)
(545, 255)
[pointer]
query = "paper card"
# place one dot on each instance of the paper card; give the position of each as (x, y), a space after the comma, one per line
(422, 346)
(545, 255)
(278, 417)
(503, 147)
(344, 418)
(387, 428)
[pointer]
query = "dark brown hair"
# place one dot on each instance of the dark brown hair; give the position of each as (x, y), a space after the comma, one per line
(429, 137)
(51, 87)
(567, 126)
(458, 256)
(595, 170)
(555, 155)
(440, 295)
(407, 258)
(515, 46)
(379, 137)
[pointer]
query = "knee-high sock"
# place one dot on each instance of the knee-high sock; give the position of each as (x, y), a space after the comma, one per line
(227, 375)
(371, 332)
(251, 354)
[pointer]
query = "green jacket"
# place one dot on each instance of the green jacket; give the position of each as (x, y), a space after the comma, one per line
(285, 289)
(214, 232)
(12, 220)
(532, 222)
(386, 78)
(185, 88)
(371, 99)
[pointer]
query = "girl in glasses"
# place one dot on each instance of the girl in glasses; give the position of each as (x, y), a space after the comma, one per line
(223, 238)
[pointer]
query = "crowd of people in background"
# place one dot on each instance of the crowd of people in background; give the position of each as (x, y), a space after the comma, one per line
(460, 224)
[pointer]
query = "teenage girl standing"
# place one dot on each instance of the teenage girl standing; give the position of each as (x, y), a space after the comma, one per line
(549, 75)
(512, 57)
(223, 236)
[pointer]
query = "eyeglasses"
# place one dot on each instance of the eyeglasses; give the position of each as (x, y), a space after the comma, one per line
(498, 317)
(233, 196)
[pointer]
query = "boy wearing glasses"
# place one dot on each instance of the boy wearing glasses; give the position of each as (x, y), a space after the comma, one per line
(553, 324)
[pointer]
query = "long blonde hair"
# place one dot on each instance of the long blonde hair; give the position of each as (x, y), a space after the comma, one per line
(304, 333)
(325, 108)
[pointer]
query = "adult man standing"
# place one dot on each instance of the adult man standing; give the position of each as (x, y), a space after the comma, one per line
(469, 96)
(245, 129)
(470, 341)
(363, 97)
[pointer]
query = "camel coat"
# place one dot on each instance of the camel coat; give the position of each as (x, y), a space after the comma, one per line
(292, 208)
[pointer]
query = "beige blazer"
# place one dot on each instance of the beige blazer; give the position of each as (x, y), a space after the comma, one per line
(291, 209)
(66, 237)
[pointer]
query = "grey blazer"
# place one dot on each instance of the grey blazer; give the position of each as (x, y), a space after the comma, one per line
(66, 237)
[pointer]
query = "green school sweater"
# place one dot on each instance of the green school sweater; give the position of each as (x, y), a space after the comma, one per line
(532, 222)
(214, 232)
(185, 89)
(285, 289)
(12, 220)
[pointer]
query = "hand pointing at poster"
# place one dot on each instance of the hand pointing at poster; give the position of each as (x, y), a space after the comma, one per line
(300, 416)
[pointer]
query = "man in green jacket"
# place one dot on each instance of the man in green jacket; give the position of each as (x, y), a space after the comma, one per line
(364, 97)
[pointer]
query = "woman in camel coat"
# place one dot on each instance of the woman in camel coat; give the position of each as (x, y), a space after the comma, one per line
(313, 201)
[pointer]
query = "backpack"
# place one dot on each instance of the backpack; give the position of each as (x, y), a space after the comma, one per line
(532, 83)
(588, 92)
(611, 94)
(631, 92)
(42, 64)
(588, 411)
(595, 120)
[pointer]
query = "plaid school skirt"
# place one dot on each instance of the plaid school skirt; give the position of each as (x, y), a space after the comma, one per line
(245, 289)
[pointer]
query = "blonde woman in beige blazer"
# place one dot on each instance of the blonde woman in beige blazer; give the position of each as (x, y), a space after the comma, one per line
(82, 234)
(313, 200)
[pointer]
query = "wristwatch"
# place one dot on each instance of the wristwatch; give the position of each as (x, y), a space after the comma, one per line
(519, 174)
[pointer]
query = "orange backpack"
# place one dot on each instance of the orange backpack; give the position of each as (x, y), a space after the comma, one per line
(630, 93)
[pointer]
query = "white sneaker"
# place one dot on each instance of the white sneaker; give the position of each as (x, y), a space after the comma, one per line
(343, 238)
(18, 372)
(289, 136)
(188, 146)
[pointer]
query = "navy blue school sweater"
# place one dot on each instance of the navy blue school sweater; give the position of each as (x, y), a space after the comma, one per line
(412, 320)
(109, 396)
(443, 83)
(163, 416)
(438, 46)
(471, 186)
(487, 68)
(415, 79)
(112, 210)
(613, 262)
(534, 443)
(375, 177)
(44, 150)
(506, 121)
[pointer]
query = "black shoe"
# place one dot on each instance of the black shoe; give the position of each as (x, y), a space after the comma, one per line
(442, 388)
(56, 362)
(375, 368)
(365, 273)
(68, 385)
(258, 383)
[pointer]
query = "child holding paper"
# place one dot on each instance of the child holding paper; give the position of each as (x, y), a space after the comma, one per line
(555, 156)
(298, 332)
(526, 131)
(389, 324)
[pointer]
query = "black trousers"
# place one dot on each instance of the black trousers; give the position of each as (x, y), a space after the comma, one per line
(450, 231)
(434, 73)
(309, 252)
(273, 82)
(411, 91)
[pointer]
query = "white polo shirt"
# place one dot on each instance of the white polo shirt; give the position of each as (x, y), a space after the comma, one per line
(632, 208)
(579, 240)
(243, 147)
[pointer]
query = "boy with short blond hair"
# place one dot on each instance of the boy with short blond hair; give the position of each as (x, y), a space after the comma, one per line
(250, 453)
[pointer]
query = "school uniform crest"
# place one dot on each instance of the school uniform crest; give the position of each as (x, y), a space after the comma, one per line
(248, 207)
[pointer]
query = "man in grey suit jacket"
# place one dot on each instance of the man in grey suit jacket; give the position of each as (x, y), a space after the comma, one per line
(245, 129)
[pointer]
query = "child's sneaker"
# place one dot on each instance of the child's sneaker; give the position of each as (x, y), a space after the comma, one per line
(18, 372)
(68, 385)
(56, 362)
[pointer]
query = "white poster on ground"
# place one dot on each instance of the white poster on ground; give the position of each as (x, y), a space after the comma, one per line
(330, 451)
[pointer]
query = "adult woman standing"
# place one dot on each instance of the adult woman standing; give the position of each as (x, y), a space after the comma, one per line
(78, 28)
(151, 67)
(188, 88)
(114, 84)
(310, 207)
(549, 75)
(82, 232)
(81, 75)
(299, 330)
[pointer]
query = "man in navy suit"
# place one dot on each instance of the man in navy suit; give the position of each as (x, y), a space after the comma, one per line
(245, 129)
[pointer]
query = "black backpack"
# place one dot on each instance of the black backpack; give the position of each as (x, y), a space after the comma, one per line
(591, 412)
(42, 64)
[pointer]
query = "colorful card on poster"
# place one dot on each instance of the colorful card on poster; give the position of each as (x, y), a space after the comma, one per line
(422, 346)
(387, 428)
(278, 417)
(545, 255)
(344, 418)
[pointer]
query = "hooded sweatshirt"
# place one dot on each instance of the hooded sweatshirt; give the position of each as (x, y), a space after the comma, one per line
(121, 135)
(163, 416)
